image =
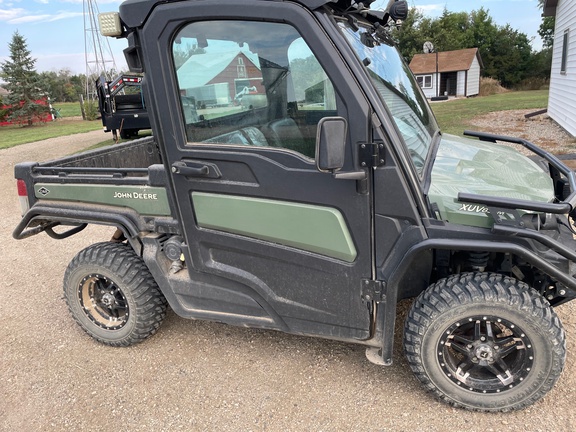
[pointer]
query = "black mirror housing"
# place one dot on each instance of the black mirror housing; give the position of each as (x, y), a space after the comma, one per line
(331, 143)
(399, 11)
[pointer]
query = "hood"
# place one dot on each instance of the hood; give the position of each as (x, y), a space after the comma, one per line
(477, 167)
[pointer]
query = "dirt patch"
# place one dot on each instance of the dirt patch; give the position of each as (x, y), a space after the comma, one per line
(201, 376)
(540, 129)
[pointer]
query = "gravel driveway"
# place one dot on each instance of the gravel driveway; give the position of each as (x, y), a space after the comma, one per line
(201, 376)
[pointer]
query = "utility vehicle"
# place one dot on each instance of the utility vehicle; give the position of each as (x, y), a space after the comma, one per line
(318, 208)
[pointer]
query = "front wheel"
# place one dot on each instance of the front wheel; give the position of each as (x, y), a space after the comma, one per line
(112, 295)
(484, 342)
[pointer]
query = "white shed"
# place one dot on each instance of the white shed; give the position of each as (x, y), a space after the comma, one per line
(453, 73)
(562, 101)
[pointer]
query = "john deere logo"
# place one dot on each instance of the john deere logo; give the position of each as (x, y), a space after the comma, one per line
(43, 191)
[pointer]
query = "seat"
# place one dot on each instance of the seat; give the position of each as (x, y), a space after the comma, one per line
(286, 134)
(247, 136)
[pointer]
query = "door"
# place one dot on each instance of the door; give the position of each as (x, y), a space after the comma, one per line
(272, 239)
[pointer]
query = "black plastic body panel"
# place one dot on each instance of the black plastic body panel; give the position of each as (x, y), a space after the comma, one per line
(135, 12)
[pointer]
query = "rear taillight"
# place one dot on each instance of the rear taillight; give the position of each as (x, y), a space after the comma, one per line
(23, 196)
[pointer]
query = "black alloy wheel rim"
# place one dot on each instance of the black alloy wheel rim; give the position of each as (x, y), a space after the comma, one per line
(485, 354)
(103, 302)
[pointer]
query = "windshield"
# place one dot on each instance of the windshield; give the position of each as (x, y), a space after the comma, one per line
(397, 88)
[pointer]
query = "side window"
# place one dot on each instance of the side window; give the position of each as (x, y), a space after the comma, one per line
(424, 81)
(250, 83)
(564, 60)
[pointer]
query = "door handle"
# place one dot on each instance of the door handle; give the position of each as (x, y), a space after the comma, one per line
(351, 175)
(183, 169)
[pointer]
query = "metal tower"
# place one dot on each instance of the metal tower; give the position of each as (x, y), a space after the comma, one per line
(97, 52)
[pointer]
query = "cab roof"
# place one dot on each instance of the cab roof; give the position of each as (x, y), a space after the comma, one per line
(134, 12)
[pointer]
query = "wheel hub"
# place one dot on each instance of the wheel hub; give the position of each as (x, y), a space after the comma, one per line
(108, 299)
(485, 354)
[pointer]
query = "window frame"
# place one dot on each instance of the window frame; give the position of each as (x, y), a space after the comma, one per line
(564, 57)
(424, 78)
(335, 103)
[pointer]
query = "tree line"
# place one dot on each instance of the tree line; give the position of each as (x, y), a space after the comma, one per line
(26, 87)
(506, 53)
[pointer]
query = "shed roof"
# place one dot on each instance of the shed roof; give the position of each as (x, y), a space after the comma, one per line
(448, 61)
(550, 7)
(3, 91)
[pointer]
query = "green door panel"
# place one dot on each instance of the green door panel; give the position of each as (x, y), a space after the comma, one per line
(144, 199)
(322, 230)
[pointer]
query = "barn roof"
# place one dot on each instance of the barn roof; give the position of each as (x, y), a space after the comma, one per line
(448, 61)
(200, 69)
(3, 91)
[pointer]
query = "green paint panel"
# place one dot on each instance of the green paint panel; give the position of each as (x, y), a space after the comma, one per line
(145, 200)
(322, 230)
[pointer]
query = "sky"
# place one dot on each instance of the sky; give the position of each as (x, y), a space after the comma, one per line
(55, 31)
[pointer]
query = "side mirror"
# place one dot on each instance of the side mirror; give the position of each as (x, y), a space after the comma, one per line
(331, 143)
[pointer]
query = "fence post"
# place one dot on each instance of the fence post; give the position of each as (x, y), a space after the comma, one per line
(81, 98)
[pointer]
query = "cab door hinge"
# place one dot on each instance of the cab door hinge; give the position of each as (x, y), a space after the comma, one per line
(371, 155)
(373, 290)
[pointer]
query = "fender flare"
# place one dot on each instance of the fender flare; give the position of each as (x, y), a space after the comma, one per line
(386, 311)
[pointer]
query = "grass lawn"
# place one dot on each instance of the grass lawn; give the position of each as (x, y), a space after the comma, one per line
(11, 136)
(454, 116)
(68, 109)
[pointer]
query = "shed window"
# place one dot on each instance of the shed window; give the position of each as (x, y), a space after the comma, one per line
(564, 51)
(425, 81)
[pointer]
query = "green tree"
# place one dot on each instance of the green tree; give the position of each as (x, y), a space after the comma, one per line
(506, 52)
(546, 30)
(60, 86)
(22, 84)
(451, 31)
(509, 57)
(409, 37)
(75, 87)
(483, 32)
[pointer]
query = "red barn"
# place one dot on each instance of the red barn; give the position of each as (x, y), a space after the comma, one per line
(220, 78)
(46, 117)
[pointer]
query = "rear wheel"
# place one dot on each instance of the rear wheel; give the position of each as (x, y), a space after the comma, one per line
(484, 342)
(112, 295)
